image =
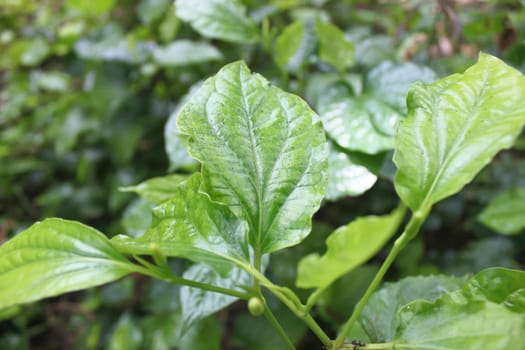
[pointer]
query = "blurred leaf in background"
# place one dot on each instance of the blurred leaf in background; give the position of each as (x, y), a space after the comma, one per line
(89, 97)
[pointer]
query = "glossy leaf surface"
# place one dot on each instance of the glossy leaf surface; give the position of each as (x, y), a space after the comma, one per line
(189, 225)
(348, 247)
(176, 147)
(218, 19)
(454, 128)
(389, 82)
(56, 256)
(486, 313)
(362, 116)
(157, 189)
(379, 317)
(263, 154)
(361, 123)
(137, 217)
(506, 212)
(198, 303)
(348, 175)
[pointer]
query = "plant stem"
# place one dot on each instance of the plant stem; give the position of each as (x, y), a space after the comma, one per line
(369, 346)
(167, 275)
(266, 39)
(312, 300)
(411, 230)
(276, 325)
(288, 298)
(209, 287)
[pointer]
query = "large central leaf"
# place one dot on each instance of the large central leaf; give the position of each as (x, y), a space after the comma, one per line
(263, 151)
(454, 128)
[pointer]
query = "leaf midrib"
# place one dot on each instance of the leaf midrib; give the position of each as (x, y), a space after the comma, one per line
(259, 190)
(458, 139)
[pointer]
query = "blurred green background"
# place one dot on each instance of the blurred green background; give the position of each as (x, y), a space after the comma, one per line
(86, 93)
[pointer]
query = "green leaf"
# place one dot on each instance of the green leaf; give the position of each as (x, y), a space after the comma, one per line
(454, 128)
(218, 19)
(126, 334)
(295, 45)
(176, 147)
(333, 46)
(348, 247)
(198, 303)
(487, 313)
(347, 176)
(137, 217)
(189, 225)
(371, 50)
(263, 154)
(506, 212)
(56, 256)
(157, 189)
(51, 81)
(150, 11)
(364, 120)
(114, 46)
(498, 285)
(379, 317)
(185, 52)
(36, 53)
(362, 123)
(389, 82)
(91, 8)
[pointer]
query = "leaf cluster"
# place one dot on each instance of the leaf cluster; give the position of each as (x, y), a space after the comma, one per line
(288, 188)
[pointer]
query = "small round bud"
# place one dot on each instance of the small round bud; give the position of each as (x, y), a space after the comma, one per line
(255, 306)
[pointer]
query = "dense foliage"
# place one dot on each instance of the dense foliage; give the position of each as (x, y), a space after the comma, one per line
(102, 101)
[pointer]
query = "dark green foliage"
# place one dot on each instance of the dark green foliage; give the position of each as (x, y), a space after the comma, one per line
(102, 98)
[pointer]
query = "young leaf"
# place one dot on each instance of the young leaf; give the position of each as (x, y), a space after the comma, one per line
(379, 317)
(189, 225)
(263, 154)
(333, 47)
(157, 189)
(487, 313)
(56, 256)
(218, 19)
(454, 128)
(348, 247)
(506, 212)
